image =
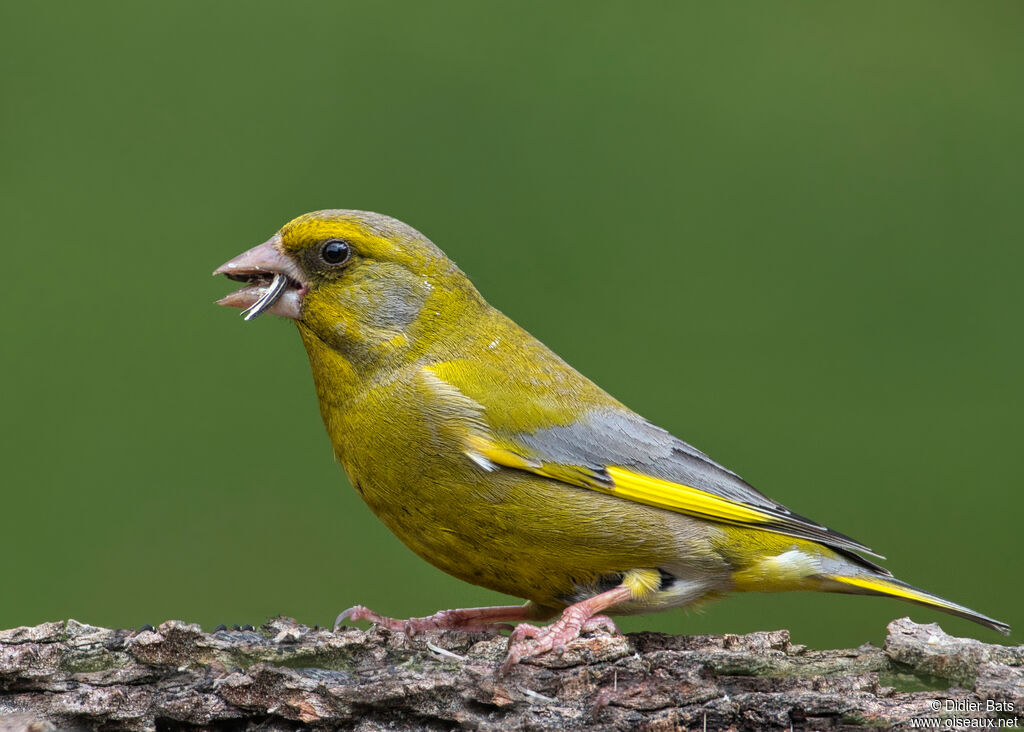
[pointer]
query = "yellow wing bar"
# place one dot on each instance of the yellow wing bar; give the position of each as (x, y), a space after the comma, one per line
(681, 498)
(692, 501)
(629, 485)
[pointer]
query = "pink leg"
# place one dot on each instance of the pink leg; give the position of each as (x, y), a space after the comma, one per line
(470, 619)
(529, 640)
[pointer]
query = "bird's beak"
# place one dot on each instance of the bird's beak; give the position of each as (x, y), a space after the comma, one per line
(273, 282)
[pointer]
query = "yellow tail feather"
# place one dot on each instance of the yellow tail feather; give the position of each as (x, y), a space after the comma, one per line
(873, 585)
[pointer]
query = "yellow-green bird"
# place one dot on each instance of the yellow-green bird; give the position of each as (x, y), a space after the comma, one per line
(497, 462)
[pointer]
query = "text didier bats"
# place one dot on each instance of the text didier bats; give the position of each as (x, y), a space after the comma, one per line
(969, 705)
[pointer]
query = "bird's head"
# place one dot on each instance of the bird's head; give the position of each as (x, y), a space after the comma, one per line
(364, 284)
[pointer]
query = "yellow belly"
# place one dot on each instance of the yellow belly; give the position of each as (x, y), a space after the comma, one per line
(536, 538)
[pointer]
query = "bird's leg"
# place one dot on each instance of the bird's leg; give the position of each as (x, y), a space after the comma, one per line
(469, 619)
(530, 640)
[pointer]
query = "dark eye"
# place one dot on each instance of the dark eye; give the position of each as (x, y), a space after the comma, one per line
(335, 251)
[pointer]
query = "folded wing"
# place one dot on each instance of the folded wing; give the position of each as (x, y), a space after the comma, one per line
(613, 450)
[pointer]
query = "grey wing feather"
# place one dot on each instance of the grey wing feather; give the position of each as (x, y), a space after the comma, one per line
(609, 437)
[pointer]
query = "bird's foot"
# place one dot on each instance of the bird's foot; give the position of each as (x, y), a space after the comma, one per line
(565, 633)
(529, 640)
(487, 619)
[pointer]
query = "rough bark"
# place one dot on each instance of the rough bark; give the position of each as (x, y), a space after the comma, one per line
(286, 676)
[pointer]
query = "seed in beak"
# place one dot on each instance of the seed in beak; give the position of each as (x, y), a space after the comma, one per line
(274, 291)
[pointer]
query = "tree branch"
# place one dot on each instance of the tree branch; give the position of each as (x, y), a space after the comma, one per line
(286, 676)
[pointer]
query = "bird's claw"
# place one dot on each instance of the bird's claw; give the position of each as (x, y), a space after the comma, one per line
(601, 622)
(361, 612)
(528, 640)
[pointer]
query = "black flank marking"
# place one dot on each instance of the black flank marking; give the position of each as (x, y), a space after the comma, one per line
(609, 581)
(667, 580)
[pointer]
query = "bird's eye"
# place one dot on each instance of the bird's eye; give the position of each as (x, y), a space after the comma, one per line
(335, 251)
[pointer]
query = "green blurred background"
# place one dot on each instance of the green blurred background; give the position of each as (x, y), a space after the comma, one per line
(790, 233)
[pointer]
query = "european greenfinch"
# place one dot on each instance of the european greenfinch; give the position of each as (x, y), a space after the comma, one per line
(497, 462)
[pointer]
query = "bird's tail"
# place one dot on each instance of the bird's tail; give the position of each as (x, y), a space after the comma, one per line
(873, 584)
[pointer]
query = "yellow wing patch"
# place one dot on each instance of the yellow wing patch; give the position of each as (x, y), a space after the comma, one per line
(681, 498)
(702, 504)
(622, 483)
(480, 447)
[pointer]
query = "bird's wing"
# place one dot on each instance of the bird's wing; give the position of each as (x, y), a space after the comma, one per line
(613, 450)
